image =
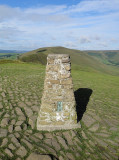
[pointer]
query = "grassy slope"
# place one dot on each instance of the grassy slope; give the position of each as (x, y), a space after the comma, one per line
(79, 59)
(107, 57)
(11, 56)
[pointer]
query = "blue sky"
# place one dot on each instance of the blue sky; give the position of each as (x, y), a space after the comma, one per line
(84, 25)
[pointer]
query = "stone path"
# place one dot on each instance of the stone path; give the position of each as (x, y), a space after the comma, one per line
(19, 139)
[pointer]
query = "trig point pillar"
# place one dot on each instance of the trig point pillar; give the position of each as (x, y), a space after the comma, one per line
(57, 110)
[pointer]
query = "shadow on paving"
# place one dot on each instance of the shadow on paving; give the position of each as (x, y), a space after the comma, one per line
(82, 96)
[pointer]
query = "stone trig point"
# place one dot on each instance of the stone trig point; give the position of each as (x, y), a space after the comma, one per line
(57, 110)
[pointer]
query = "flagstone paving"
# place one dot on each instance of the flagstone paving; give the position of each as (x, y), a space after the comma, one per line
(19, 139)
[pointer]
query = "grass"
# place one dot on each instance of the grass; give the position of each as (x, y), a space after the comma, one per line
(11, 56)
(25, 80)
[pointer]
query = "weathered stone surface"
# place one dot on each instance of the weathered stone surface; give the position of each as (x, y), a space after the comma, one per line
(62, 142)
(3, 132)
(70, 156)
(68, 138)
(55, 110)
(27, 143)
(28, 111)
(17, 135)
(21, 118)
(13, 121)
(11, 146)
(4, 142)
(55, 144)
(8, 152)
(15, 141)
(38, 135)
(3, 94)
(21, 152)
(32, 121)
(35, 156)
(17, 128)
(18, 123)
(19, 111)
(4, 122)
(10, 128)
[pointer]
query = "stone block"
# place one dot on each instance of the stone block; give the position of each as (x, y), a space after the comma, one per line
(21, 152)
(66, 81)
(54, 81)
(44, 123)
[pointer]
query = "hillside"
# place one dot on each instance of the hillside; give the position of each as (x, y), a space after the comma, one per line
(79, 59)
(107, 57)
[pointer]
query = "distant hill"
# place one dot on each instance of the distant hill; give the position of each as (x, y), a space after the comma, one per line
(107, 57)
(79, 59)
(12, 51)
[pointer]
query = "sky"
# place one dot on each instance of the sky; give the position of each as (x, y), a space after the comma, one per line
(77, 24)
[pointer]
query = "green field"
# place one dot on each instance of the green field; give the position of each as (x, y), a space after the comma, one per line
(21, 86)
(11, 56)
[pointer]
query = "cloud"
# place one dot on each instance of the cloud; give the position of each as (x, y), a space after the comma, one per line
(51, 9)
(84, 40)
(104, 44)
(7, 33)
(90, 23)
(7, 12)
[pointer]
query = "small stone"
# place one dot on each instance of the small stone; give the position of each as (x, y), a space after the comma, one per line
(13, 121)
(21, 152)
(55, 144)
(21, 118)
(29, 103)
(18, 123)
(28, 111)
(35, 156)
(29, 131)
(17, 128)
(38, 135)
(22, 104)
(70, 156)
(18, 158)
(6, 115)
(61, 158)
(68, 138)
(22, 98)
(10, 128)
(19, 111)
(17, 135)
(3, 94)
(4, 122)
(4, 142)
(62, 142)
(8, 152)
(11, 146)
(24, 127)
(48, 141)
(94, 128)
(49, 135)
(73, 133)
(27, 143)
(35, 108)
(3, 132)
(15, 141)
(84, 135)
(32, 121)
(88, 120)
